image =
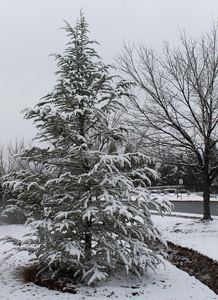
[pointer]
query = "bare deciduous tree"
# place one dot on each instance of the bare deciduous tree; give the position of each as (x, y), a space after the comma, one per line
(11, 161)
(180, 101)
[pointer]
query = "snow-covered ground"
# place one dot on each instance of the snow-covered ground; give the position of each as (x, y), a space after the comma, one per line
(190, 233)
(167, 283)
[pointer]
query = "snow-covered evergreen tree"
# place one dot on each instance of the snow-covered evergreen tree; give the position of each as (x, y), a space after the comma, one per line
(90, 210)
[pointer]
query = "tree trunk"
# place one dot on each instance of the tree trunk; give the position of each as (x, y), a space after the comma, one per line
(206, 198)
(88, 240)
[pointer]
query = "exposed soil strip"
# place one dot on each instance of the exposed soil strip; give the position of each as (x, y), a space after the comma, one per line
(195, 264)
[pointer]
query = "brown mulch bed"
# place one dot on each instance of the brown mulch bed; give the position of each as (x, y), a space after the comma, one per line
(195, 264)
(63, 284)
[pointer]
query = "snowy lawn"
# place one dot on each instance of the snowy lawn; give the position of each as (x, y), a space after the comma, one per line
(168, 283)
(190, 233)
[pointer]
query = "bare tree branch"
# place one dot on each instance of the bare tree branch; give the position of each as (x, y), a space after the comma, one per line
(180, 100)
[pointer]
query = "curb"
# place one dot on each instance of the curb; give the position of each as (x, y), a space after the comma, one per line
(182, 215)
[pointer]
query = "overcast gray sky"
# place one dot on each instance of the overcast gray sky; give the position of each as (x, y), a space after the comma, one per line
(30, 31)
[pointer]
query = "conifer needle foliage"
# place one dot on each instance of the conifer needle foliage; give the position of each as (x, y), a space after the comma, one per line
(89, 207)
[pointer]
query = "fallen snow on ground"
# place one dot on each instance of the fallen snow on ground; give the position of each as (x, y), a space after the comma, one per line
(190, 233)
(167, 283)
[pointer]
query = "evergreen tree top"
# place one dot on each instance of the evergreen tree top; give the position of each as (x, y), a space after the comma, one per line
(77, 111)
(79, 50)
